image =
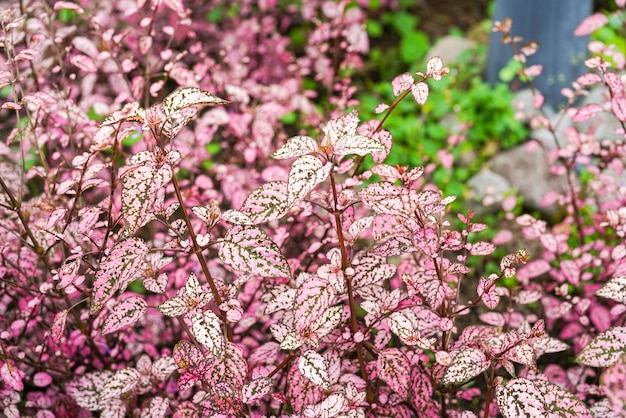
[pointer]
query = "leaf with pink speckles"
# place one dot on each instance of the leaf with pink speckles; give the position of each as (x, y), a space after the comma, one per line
(117, 271)
(605, 349)
(248, 249)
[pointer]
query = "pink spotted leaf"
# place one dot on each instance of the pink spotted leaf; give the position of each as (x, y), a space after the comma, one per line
(86, 390)
(358, 145)
(267, 202)
(332, 406)
(302, 391)
(466, 365)
(590, 24)
(561, 402)
(163, 367)
(306, 173)
(210, 214)
(12, 376)
(236, 217)
(393, 367)
(587, 112)
(248, 249)
(372, 269)
(402, 83)
(296, 146)
(278, 298)
(433, 289)
(124, 313)
(605, 349)
(614, 82)
(206, 327)
(327, 321)
(257, 388)
(192, 364)
(420, 92)
(140, 186)
(315, 296)
(619, 107)
(387, 198)
(314, 367)
(117, 271)
(121, 382)
(520, 398)
(614, 289)
(488, 292)
(58, 325)
(405, 324)
(157, 408)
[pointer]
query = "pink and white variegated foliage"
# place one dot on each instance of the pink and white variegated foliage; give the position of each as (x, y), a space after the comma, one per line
(284, 279)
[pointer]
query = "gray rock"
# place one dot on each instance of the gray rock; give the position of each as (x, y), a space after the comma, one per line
(484, 183)
(450, 48)
(528, 173)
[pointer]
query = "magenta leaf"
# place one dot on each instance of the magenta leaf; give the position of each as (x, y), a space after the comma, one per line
(466, 365)
(393, 367)
(248, 249)
(267, 202)
(296, 146)
(306, 173)
(124, 313)
(314, 367)
(87, 390)
(520, 398)
(206, 327)
(117, 271)
(614, 289)
(122, 381)
(605, 349)
(256, 389)
(561, 402)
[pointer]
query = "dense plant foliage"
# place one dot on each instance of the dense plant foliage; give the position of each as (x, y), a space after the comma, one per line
(195, 222)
